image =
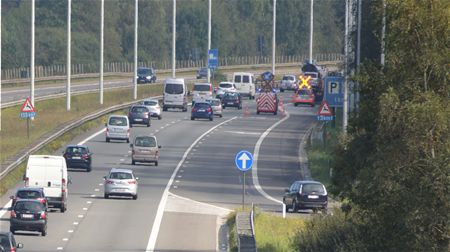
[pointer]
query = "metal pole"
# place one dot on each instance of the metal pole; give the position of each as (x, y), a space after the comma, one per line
(209, 37)
(274, 34)
(102, 26)
(243, 191)
(135, 47)
(32, 52)
(383, 34)
(0, 65)
(174, 31)
(311, 31)
(358, 49)
(345, 107)
(69, 13)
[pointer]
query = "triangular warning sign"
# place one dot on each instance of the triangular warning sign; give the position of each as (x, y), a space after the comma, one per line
(325, 110)
(27, 106)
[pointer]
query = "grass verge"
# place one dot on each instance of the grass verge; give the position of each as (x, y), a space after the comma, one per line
(272, 232)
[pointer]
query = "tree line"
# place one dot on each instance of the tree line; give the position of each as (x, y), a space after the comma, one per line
(239, 28)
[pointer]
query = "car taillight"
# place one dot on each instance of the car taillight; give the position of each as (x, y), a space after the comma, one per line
(13, 250)
(42, 200)
(43, 215)
(132, 182)
(27, 181)
(13, 214)
(209, 109)
(109, 182)
(194, 110)
(63, 183)
(85, 156)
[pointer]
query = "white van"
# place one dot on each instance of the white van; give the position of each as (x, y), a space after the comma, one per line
(118, 127)
(202, 92)
(50, 173)
(175, 94)
(245, 84)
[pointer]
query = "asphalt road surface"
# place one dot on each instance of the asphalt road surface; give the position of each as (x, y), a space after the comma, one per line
(183, 201)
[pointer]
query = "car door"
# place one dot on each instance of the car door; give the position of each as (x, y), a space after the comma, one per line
(293, 191)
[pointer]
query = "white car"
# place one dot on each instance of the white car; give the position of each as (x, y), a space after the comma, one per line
(153, 107)
(216, 106)
(121, 182)
(224, 87)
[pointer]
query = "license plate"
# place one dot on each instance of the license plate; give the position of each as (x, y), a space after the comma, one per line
(119, 190)
(76, 157)
(27, 216)
(201, 110)
(230, 103)
(313, 196)
(138, 120)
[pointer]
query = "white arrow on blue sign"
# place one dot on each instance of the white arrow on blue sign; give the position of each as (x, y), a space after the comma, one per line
(244, 160)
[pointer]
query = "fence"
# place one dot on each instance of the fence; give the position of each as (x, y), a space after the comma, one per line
(128, 67)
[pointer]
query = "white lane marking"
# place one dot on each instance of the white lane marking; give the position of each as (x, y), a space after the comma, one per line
(162, 204)
(156, 131)
(244, 132)
(179, 176)
(59, 248)
(70, 231)
(173, 121)
(93, 196)
(80, 216)
(201, 203)
(91, 136)
(255, 161)
(75, 223)
(175, 188)
(181, 170)
(5, 208)
(96, 189)
(122, 160)
(65, 239)
(167, 125)
(100, 184)
(85, 209)
(89, 202)
(177, 181)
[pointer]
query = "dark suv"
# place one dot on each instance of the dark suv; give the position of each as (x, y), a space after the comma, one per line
(8, 243)
(232, 99)
(28, 215)
(29, 193)
(303, 195)
(146, 75)
(78, 156)
(139, 114)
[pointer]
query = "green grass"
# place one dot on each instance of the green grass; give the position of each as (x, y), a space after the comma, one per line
(272, 232)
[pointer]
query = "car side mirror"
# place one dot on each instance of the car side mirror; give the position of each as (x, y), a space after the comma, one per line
(19, 245)
(286, 190)
(159, 146)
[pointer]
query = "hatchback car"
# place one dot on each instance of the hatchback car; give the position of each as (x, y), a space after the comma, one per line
(145, 149)
(8, 242)
(232, 99)
(29, 215)
(78, 156)
(121, 182)
(224, 87)
(289, 82)
(216, 106)
(304, 96)
(202, 73)
(202, 110)
(303, 195)
(139, 114)
(153, 107)
(36, 193)
(146, 75)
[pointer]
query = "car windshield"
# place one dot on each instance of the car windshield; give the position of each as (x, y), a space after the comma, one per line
(4, 242)
(237, 78)
(120, 175)
(290, 78)
(23, 194)
(144, 71)
(201, 87)
(118, 121)
(313, 75)
(31, 206)
(231, 95)
(225, 85)
(246, 79)
(309, 188)
(150, 103)
(304, 92)
(201, 105)
(174, 88)
(145, 142)
(215, 102)
(139, 109)
(76, 150)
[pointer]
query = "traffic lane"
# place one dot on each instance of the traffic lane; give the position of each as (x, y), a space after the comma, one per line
(130, 222)
(278, 163)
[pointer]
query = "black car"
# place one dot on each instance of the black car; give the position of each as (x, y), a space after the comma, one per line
(202, 73)
(36, 193)
(28, 215)
(303, 195)
(8, 243)
(232, 99)
(139, 114)
(146, 75)
(78, 156)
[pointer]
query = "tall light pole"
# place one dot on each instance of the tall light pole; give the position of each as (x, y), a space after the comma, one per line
(311, 31)
(69, 13)
(274, 25)
(346, 49)
(383, 34)
(135, 47)
(32, 52)
(209, 38)
(0, 65)
(102, 26)
(174, 31)
(358, 50)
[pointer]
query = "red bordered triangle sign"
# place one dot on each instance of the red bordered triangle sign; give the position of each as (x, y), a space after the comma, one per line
(325, 110)
(27, 106)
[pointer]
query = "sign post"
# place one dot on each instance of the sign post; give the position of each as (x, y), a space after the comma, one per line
(27, 111)
(243, 161)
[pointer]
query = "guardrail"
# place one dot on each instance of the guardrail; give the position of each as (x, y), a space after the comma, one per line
(15, 161)
(245, 231)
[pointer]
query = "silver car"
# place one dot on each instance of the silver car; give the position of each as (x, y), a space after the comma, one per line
(216, 106)
(153, 107)
(289, 82)
(121, 182)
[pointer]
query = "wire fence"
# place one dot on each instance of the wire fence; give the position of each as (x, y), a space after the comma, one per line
(128, 67)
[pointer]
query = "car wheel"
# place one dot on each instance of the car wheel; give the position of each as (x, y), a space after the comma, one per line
(239, 107)
(159, 117)
(223, 107)
(275, 113)
(312, 105)
(89, 169)
(128, 140)
(12, 230)
(156, 163)
(192, 118)
(135, 197)
(257, 112)
(164, 108)
(44, 231)
(63, 208)
(281, 90)
(133, 162)
(148, 125)
(294, 206)
(107, 139)
(220, 115)
(315, 210)
(131, 125)
(106, 196)
(211, 118)
(296, 104)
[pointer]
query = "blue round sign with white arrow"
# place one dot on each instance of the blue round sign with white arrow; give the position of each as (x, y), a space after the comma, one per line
(244, 160)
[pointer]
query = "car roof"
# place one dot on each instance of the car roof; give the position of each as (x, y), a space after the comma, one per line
(309, 182)
(121, 170)
(28, 200)
(205, 103)
(203, 83)
(76, 145)
(31, 189)
(226, 82)
(118, 116)
(151, 99)
(145, 136)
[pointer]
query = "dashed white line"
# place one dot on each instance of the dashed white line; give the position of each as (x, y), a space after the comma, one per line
(93, 196)
(85, 208)
(175, 188)
(70, 231)
(59, 248)
(177, 181)
(122, 159)
(75, 223)
(96, 189)
(88, 202)
(80, 216)
(65, 239)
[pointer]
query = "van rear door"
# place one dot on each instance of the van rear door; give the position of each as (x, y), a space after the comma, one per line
(46, 173)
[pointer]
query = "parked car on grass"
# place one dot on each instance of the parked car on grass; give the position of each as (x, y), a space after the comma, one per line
(306, 194)
(78, 156)
(121, 182)
(145, 149)
(28, 215)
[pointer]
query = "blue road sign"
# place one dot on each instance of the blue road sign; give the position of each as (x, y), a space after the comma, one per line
(325, 118)
(334, 91)
(27, 114)
(213, 58)
(244, 160)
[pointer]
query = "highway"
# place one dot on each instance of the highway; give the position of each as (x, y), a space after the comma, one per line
(182, 202)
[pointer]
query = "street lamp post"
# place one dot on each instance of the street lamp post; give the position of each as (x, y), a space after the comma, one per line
(69, 13)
